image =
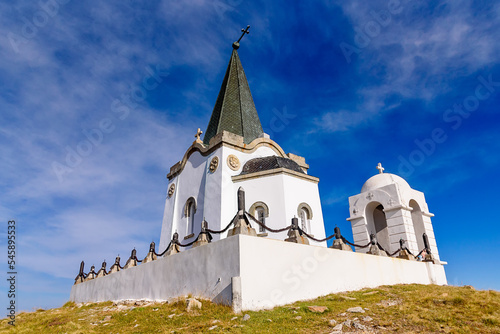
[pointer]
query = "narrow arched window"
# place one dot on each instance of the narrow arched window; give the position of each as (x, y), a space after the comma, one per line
(261, 216)
(305, 215)
(260, 211)
(189, 211)
(304, 222)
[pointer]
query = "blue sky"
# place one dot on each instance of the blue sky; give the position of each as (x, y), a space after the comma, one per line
(412, 84)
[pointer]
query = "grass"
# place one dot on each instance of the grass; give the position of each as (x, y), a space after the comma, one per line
(394, 309)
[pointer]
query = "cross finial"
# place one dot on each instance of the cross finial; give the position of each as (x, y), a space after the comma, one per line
(380, 168)
(236, 44)
(197, 135)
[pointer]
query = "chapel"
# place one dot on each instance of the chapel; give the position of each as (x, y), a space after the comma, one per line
(243, 224)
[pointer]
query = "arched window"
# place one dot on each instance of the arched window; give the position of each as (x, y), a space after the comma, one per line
(260, 211)
(305, 215)
(189, 211)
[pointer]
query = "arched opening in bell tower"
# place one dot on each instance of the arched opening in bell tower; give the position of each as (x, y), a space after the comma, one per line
(377, 223)
(418, 223)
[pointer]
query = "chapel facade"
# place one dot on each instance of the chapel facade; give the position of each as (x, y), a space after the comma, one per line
(235, 152)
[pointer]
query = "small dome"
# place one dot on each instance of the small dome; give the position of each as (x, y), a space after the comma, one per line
(270, 162)
(383, 179)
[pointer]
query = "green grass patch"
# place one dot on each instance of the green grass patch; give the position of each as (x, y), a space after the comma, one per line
(401, 308)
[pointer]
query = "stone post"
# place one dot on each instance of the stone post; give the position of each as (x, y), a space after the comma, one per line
(339, 243)
(174, 245)
(132, 260)
(374, 249)
(151, 256)
(241, 225)
(294, 234)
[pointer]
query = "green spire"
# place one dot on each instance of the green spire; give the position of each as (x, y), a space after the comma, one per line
(234, 110)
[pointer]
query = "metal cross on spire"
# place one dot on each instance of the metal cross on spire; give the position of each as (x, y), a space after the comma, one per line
(236, 44)
(380, 168)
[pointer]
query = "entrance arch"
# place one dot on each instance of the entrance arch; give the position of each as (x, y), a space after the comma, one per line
(377, 223)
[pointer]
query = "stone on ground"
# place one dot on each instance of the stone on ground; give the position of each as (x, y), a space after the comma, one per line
(192, 304)
(337, 329)
(357, 309)
(317, 309)
(246, 317)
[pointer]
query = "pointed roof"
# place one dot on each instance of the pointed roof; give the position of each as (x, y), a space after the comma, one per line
(234, 110)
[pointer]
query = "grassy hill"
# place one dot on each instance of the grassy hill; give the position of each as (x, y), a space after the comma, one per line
(401, 309)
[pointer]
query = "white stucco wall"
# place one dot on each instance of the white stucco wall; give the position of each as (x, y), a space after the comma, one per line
(194, 271)
(216, 196)
(272, 273)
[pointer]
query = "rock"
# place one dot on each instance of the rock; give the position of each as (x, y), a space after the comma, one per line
(359, 326)
(192, 304)
(343, 314)
(246, 317)
(370, 293)
(347, 298)
(298, 317)
(357, 309)
(390, 302)
(212, 328)
(269, 320)
(107, 318)
(347, 323)
(136, 325)
(367, 319)
(215, 321)
(332, 323)
(171, 316)
(155, 309)
(234, 318)
(317, 309)
(337, 329)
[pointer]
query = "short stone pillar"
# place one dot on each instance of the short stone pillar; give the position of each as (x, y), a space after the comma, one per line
(132, 260)
(81, 275)
(102, 272)
(204, 237)
(242, 224)
(91, 275)
(294, 234)
(339, 243)
(116, 266)
(374, 248)
(174, 245)
(427, 255)
(405, 253)
(151, 254)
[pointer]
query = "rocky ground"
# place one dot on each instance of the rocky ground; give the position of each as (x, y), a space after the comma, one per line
(388, 309)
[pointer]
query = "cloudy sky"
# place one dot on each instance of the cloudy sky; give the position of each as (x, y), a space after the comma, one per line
(99, 99)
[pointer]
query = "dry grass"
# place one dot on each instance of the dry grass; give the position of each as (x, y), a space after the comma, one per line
(394, 309)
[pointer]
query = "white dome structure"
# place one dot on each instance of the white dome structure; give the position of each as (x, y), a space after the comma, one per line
(382, 180)
(388, 207)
